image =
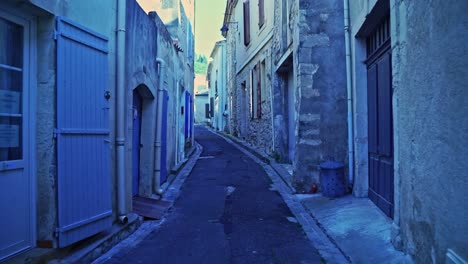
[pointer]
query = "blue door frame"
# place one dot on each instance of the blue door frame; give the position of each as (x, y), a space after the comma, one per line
(136, 142)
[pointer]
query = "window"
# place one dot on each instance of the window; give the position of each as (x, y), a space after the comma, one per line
(256, 92)
(11, 90)
(261, 13)
(246, 22)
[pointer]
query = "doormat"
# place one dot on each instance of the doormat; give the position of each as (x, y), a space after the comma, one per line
(150, 208)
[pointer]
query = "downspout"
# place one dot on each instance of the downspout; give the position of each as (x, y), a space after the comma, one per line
(176, 101)
(193, 67)
(159, 114)
(349, 86)
(120, 109)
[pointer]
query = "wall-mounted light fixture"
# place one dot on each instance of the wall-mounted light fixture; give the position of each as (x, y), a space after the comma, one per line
(224, 29)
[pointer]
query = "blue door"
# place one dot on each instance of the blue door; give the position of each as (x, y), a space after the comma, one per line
(136, 142)
(380, 118)
(83, 180)
(164, 138)
(16, 182)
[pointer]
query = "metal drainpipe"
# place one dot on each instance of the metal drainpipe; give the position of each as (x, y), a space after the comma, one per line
(158, 143)
(120, 112)
(349, 86)
(177, 103)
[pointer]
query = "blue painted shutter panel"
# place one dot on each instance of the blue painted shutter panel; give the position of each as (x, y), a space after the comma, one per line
(191, 116)
(372, 108)
(84, 186)
(186, 116)
(385, 138)
(163, 175)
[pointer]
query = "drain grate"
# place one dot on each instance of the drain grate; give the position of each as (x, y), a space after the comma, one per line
(206, 157)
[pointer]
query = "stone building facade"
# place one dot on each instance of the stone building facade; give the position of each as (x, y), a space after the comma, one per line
(248, 28)
(309, 87)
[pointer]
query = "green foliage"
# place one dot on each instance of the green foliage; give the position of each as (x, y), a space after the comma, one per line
(201, 64)
(201, 58)
(200, 68)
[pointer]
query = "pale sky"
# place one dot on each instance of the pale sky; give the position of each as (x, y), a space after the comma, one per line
(209, 15)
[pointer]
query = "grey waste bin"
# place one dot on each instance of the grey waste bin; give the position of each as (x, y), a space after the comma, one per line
(332, 179)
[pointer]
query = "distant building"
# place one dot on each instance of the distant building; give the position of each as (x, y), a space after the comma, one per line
(216, 78)
(201, 101)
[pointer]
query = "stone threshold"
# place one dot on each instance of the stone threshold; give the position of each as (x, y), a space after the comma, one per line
(84, 251)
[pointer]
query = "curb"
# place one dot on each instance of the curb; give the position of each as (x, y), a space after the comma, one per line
(261, 156)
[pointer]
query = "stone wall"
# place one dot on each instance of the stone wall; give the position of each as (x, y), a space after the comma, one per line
(257, 132)
(316, 29)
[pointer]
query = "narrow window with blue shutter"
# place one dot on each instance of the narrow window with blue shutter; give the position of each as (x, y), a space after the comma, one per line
(246, 22)
(261, 13)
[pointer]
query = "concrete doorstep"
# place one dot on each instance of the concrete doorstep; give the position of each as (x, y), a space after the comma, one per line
(84, 251)
(344, 230)
(113, 239)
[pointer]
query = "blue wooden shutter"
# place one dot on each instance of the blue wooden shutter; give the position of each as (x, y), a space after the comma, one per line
(84, 186)
(186, 116)
(246, 22)
(372, 108)
(165, 100)
(191, 117)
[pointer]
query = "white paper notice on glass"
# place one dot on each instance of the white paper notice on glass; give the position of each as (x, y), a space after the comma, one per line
(10, 102)
(9, 136)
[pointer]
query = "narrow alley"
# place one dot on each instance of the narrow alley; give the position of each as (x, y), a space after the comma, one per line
(226, 213)
(227, 131)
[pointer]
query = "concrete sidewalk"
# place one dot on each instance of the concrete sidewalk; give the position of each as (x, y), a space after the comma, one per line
(355, 225)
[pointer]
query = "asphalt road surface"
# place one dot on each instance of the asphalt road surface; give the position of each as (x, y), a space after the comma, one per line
(226, 213)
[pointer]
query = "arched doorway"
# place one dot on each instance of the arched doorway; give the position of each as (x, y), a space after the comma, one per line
(136, 141)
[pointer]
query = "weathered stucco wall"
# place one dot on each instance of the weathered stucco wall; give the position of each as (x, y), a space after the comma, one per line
(359, 11)
(141, 76)
(431, 126)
